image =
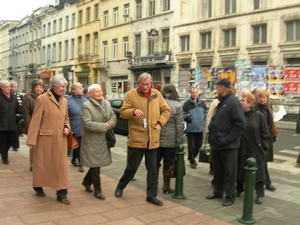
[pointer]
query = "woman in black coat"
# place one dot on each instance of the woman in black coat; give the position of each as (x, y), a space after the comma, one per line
(254, 143)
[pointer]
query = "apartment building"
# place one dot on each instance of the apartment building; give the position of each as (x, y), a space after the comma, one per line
(5, 69)
(115, 46)
(216, 33)
(58, 42)
(88, 59)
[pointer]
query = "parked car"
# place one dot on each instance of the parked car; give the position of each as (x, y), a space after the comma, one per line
(122, 124)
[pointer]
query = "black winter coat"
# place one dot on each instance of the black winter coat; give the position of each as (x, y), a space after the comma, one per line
(9, 107)
(227, 124)
(254, 143)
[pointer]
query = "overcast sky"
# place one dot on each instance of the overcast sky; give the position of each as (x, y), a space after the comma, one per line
(17, 9)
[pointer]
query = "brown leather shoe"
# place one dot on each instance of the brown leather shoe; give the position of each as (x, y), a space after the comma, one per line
(40, 194)
(64, 201)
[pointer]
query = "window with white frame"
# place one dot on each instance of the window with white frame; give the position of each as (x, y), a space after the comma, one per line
(60, 25)
(66, 50)
(54, 27)
(230, 37)
(115, 49)
(80, 17)
(73, 20)
(151, 7)
(126, 12)
(48, 55)
(105, 22)
(260, 34)
(95, 43)
(138, 45)
(230, 6)
(116, 16)
(72, 48)
(165, 40)
(105, 52)
(150, 46)
(49, 29)
(206, 9)
(59, 51)
(79, 46)
(259, 4)
(54, 52)
(96, 11)
(185, 43)
(293, 30)
(138, 9)
(67, 23)
(125, 46)
(87, 44)
(43, 55)
(88, 14)
(206, 40)
(44, 30)
(166, 5)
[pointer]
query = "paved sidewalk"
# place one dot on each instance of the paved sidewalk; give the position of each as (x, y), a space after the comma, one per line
(20, 206)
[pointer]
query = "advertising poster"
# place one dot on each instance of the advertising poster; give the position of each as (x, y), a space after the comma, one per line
(276, 90)
(276, 74)
(259, 77)
(291, 88)
(292, 74)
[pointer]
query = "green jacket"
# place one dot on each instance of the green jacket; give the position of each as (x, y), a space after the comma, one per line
(155, 110)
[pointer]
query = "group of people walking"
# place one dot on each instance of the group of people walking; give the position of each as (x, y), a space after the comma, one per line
(156, 126)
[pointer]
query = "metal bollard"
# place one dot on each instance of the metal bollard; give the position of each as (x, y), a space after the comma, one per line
(250, 170)
(128, 152)
(180, 171)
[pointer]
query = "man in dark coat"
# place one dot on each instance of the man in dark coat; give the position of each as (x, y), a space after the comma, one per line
(9, 107)
(225, 131)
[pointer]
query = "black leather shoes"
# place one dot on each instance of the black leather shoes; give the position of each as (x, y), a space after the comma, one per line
(87, 187)
(5, 162)
(270, 187)
(75, 163)
(213, 196)
(227, 202)
(238, 193)
(259, 200)
(154, 201)
(118, 193)
(64, 201)
(100, 196)
(39, 191)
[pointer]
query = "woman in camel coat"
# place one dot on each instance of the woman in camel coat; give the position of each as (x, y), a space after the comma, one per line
(47, 136)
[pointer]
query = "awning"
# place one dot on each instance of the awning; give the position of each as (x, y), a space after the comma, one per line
(151, 67)
(45, 75)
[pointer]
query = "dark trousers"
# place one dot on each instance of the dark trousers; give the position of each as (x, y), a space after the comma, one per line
(6, 140)
(165, 154)
(134, 160)
(62, 193)
(16, 141)
(195, 141)
(76, 151)
(259, 188)
(225, 172)
(268, 179)
(93, 177)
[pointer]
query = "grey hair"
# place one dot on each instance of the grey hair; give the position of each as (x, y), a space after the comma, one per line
(93, 87)
(13, 83)
(169, 92)
(3, 82)
(144, 76)
(57, 81)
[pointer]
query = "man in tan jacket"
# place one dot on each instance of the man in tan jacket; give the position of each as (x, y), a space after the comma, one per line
(146, 111)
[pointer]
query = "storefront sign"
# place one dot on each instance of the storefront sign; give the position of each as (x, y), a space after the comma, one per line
(45, 75)
(151, 59)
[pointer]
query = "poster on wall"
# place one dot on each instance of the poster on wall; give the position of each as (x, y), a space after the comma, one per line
(276, 74)
(291, 88)
(276, 90)
(259, 77)
(292, 74)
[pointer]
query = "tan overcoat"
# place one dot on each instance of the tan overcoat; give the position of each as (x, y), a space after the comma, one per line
(46, 134)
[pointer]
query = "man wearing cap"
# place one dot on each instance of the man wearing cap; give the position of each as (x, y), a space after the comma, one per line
(225, 130)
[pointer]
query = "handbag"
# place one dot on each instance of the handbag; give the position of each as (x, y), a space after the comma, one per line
(72, 141)
(110, 138)
(172, 169)
(204, 152)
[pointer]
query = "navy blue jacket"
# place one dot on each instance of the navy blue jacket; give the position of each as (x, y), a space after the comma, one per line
(197, 111)
(74, 110)
(227, 124)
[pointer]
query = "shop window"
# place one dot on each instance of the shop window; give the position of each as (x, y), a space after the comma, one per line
(119, 87)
